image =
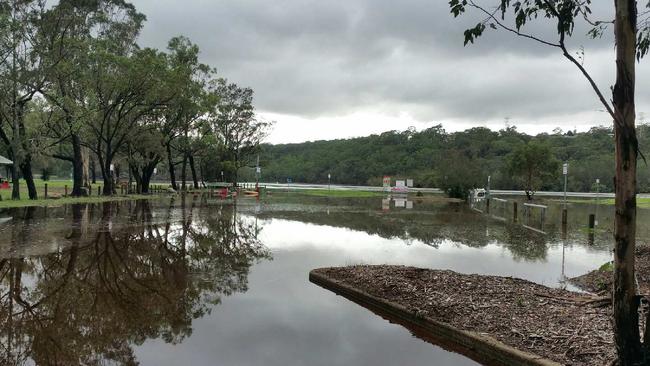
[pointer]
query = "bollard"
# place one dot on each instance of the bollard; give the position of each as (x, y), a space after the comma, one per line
(590, 235)
(66, 190)
(45, 190)
(514, 211)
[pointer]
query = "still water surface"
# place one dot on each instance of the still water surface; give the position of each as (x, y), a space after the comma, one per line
(198, 281)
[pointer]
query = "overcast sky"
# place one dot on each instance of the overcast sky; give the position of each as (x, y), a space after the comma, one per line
(340, 68)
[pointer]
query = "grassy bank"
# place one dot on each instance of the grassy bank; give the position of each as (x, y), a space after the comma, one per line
(341, 193)
(70, 200)
(640, 202)
(56, 190)
(335, 193)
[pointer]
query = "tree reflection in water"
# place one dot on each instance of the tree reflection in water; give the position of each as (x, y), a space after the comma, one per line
(126, 284)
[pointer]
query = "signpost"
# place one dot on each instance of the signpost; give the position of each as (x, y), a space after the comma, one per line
(386, 183)
(565, 172)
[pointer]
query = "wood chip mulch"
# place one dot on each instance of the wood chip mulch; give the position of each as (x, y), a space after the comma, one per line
(600, 280)
(563, 326)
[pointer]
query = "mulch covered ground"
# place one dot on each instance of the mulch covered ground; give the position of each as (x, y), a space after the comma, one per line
(600, 280)
(563, 326)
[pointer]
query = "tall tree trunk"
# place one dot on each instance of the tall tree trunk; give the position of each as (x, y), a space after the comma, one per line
(108, 175)
(77, 166)
(170, 161)
(26, 169)
(93, 171)
(147, 173)
(184, 172)
(193, 169)
(15, 178)
(626, 316)
(85, 167)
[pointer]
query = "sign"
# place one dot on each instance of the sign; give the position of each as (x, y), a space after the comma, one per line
(386, 183)
(565, 168)
(289, 180)
(329, 176)
(409, 183)
(597, 181)
(258, 170)
(155, 170)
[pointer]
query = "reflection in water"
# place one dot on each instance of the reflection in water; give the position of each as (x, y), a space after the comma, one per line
(127, 279)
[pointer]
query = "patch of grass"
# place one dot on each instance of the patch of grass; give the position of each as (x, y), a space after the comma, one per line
(607, 267)
(640, 202)
(337, 193)
(71, 200)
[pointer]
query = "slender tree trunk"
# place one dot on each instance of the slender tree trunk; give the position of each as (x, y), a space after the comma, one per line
(93, 171)
(15, 180)
(172, 172)
(77, 166)
(193, 169)
(626, 315)
(109, 181)
(184, 172)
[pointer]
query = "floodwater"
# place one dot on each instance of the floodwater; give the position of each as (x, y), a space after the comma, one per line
(199, 281)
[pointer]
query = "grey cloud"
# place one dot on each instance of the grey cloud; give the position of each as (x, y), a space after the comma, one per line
(325, 58)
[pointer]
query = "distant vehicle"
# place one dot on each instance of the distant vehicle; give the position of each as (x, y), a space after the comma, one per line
(478, 194)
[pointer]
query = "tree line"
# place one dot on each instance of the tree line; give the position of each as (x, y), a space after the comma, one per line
(76, 87)
(459, 161)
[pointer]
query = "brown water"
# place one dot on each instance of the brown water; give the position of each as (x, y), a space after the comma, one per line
(206, 282)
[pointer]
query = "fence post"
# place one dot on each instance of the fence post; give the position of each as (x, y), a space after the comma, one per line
(564, 216)
(66, 190)
(592, 221)
(487, 205)
(514, 211)
(45, 190)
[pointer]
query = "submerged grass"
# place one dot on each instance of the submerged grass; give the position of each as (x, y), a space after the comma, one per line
(71, 200)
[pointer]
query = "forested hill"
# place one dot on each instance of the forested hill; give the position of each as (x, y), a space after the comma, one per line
(435, 158)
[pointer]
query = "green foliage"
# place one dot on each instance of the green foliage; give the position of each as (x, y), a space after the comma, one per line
(533, 164)
(455, 161)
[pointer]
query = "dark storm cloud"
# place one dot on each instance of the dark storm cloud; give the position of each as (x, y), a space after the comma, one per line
(315, 58)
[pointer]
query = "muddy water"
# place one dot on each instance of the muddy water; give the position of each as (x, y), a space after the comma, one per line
(206, 282)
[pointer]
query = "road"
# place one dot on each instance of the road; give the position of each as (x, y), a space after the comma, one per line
(495, 192)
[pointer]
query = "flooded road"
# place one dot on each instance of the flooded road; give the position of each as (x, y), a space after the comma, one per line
(199, 281)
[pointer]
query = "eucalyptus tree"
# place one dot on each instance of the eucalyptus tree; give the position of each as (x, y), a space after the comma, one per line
(126, 91)
(191, 80)
(533, 164)
(631, 29)
(236, 125)
(73, 26)
(21, 75)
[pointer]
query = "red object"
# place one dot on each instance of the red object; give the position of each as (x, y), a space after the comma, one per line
(4, 185)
